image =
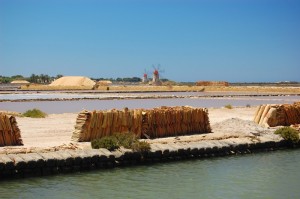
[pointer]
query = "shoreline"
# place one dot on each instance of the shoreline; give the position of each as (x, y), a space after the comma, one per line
(69, 161)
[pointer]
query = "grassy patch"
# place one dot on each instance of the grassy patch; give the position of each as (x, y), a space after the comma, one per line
(34, 113)
(228, 106)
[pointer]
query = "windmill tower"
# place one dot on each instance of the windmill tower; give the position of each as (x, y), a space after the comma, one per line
(155, 79)
(145, 77)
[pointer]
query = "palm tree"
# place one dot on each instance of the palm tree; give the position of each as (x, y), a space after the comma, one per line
(34, 78)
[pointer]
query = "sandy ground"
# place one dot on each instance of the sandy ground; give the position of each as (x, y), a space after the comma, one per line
(55, 131)
(220, 114)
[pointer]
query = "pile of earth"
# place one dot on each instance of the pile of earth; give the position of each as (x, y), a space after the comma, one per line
(243, 128)
(74, 81)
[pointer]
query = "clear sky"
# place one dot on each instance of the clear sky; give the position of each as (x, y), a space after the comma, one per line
(230, 40)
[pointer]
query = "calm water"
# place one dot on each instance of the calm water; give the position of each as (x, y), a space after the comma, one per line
(60, 95)
(265, 175)
(76, 106)
(195, 99)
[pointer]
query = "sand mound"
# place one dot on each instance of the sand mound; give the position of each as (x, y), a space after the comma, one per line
(20, 82)
(73, 81)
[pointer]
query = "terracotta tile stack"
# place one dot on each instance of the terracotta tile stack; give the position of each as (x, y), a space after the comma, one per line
(9, 131)
(271, 115)
(153, 123)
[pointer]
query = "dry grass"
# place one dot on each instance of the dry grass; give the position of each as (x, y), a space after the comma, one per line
(228, 106)
(254, 89)
(258, 89)
(52, 88)
(11, 113)
(151, 88)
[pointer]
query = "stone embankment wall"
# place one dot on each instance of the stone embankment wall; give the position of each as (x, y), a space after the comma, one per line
(9, 131)
(153, 123)
(66, 161)
(211, 83)
(271, 115)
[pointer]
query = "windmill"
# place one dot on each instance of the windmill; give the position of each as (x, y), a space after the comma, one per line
(155, 79)
(145, 76)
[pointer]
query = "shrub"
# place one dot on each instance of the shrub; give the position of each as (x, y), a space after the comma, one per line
(248, 105)
(34, 113)
(127, 140)
(108, 142)
(228, 106)
(141, 146)
(289, 134)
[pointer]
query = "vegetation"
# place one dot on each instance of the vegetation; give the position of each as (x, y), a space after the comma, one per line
(6, 80)
(289, 134)
(34, 113)
(128, 79)
(169, 83)
(38, 79)
(119, 79)
(46, 79)
(108, 142)
(127, 140)
(141, 146)
(228, 106)
(248, 105)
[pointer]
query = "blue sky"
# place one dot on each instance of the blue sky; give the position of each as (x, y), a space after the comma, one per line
(230, 40)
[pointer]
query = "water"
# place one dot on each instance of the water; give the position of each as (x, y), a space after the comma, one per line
(264, 175)
(62, 95)
(59, 95)
(76, 106)
(195, 99)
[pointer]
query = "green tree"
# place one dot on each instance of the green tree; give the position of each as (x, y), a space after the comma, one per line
(19, 77)
(5, 80)
(34, 78)
(58, 76)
